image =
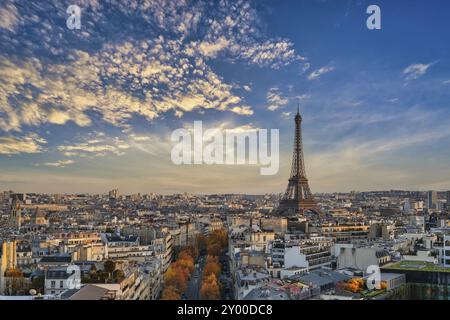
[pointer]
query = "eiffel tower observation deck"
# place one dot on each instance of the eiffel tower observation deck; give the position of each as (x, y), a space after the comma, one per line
(298, 198)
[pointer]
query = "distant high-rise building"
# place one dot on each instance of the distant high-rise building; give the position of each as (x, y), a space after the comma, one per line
(432, 199)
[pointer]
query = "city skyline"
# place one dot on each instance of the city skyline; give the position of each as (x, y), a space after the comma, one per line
(89, 110)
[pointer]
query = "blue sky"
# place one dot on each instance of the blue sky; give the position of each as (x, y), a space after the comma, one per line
(92, 109)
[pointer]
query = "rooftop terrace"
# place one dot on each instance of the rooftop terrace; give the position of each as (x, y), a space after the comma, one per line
(417, 266)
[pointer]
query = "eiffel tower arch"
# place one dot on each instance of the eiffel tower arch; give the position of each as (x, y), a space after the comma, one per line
(298, 198)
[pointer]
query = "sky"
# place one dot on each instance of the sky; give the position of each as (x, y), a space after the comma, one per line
(92, 109)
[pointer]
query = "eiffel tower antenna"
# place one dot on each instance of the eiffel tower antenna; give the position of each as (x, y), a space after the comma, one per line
(298, 197)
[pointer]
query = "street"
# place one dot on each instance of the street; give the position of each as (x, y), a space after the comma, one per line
(195, 282)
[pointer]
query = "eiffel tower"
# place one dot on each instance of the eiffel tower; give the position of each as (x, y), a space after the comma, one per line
(298, 197)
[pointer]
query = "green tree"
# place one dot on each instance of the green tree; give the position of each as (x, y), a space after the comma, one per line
(118, 276)
(38, 283)
(109, 267)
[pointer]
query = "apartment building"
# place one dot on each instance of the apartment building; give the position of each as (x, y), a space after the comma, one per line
(126, 248)
(294, 257)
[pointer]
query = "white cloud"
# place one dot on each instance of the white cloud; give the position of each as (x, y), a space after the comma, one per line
(58, 117)
(95, 145)
(272, 53)
(145, 78)
(209, 49)
(67, 91)
(303, 97)
(9, 17)
(275, 99)
(319, 72)
(286, 115)
(30, 143)
(246, 111)
(137, 138)
(415, 71)
(59, 163)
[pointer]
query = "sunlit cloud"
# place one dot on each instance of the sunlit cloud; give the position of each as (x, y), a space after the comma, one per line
(58, 164)
(30, 143)
(95, 146)
(9, 17)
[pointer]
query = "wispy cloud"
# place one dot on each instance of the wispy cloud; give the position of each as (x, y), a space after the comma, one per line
(417, 70)
(247, 88)
(286, 115)
(275, 99)
(316, 74)
(274, 54)
(31, 143)
(95, 145)
(139, 138)
(59, 163)
(9, 17)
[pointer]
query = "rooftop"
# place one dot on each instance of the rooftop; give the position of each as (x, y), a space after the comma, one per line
(320, 277)
(267, 292)
(90, 292)
(417, 266)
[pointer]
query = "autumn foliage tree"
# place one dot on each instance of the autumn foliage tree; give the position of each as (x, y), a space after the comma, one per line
(170, 293)
(201, 244)
(212, 266)
(356, 285)
(15, 282)
(210, 289)
(191, 251)
(216, 242)
(179, 272)
(177, 275)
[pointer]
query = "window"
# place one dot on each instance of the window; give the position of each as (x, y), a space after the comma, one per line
(61, 284)
(53, 284)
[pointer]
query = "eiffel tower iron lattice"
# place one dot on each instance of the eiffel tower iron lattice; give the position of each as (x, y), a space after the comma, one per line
(298, 197)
